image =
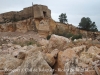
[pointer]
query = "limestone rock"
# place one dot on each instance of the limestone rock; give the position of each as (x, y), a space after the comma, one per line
(36, 11)
(94, 49)
(50, 59)
(63, 57)
(43, 42)
(36, 62)
(55, 53)
(21, 26)
(58, 42)
(8, 62)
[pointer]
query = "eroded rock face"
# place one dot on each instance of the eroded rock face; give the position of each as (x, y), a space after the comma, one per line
(45, 27)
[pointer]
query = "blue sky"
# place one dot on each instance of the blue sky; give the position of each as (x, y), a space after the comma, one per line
(74, 9)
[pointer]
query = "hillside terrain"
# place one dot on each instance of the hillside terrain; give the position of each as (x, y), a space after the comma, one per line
(32, 43)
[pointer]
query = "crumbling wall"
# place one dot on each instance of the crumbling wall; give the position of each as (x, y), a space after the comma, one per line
(35, 11)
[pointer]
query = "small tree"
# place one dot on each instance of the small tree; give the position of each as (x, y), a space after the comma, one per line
(87, 24)
(63, 18)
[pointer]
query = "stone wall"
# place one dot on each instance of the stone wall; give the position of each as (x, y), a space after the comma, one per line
(35, 11)
(41, 11)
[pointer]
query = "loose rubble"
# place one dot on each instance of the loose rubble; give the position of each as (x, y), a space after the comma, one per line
(52, 55)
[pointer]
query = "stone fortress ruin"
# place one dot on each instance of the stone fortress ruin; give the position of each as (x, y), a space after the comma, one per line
(35, 11)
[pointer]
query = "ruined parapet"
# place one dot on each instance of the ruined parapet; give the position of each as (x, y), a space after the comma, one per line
(7, 17)
(41, 11)
(35, 11)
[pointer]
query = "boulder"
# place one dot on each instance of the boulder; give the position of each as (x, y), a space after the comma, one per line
(58, 42)
(50, 59)
(8, 62)
(66, 56)
(94, 49)
(55, 53)
(34, 64)
(16, 52)
(43, 42)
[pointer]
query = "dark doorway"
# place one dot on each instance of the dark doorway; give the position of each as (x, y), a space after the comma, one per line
(44, 13)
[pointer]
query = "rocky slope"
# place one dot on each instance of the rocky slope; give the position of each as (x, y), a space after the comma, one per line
(59, 55)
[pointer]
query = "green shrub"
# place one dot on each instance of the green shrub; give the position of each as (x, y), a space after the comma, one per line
(79, 36)
(30, 42)
(68, 35)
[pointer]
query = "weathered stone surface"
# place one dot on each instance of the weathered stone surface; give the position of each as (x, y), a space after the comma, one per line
(35, 11)
(45, 27)
(43, 42)
(41, 11)
(55, 53)
(53, 25)
(91, 72)
(34, 61)
(59, 66)
(50, 59)
(8, 62)
(2, 72)
(58, 42)
(21, 26)
(64, 56)
(94, 50)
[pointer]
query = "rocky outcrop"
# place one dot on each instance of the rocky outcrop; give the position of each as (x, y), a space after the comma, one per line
(44, 27)
(63, 29)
